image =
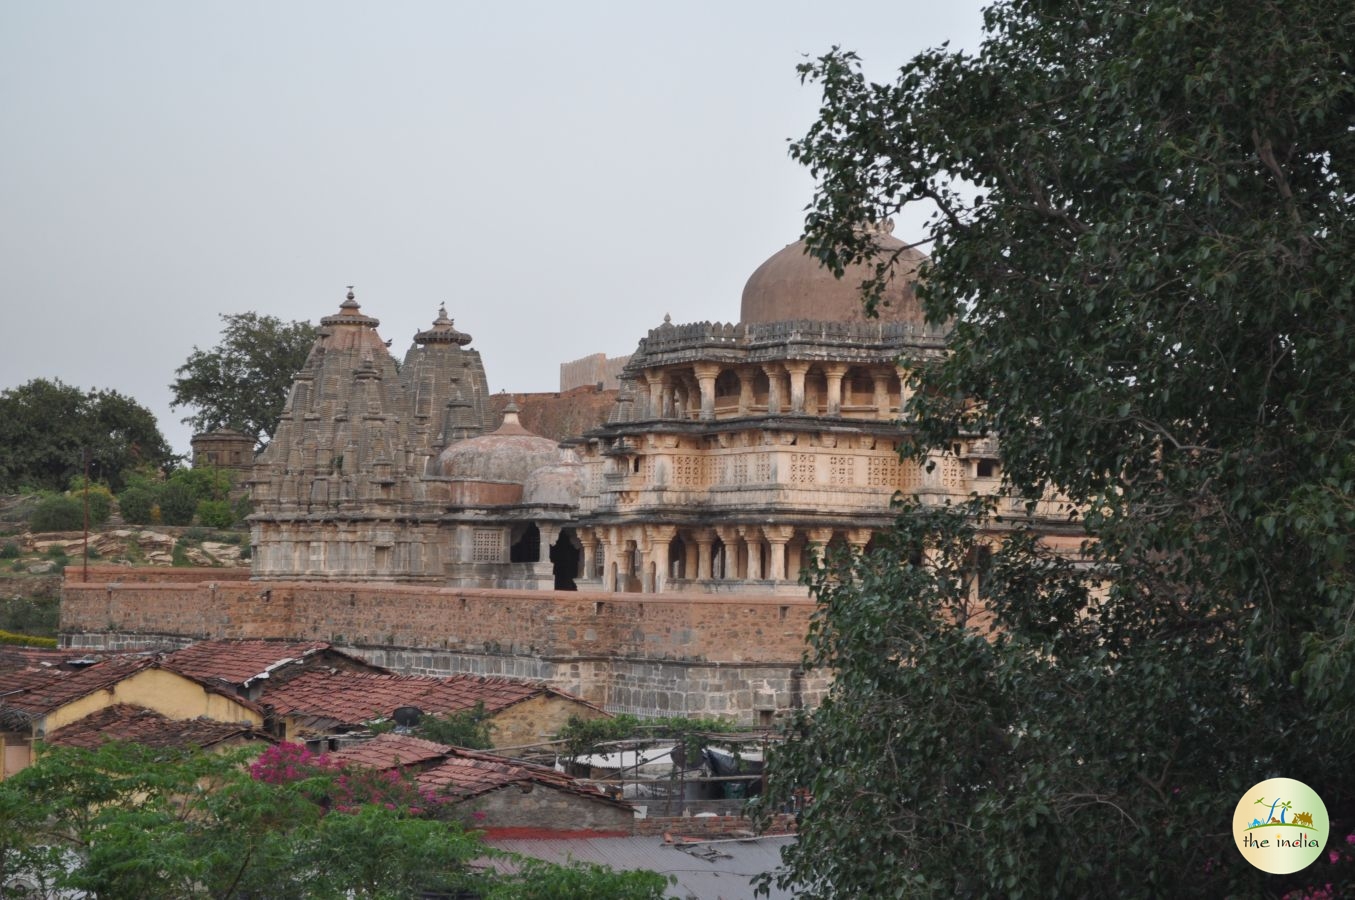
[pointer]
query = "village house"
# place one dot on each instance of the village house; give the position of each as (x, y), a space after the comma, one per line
(40, 700)
(491, 792)
(319, 704)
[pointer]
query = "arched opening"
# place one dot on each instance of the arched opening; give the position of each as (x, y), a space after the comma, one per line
(717, 559)
(526, 548)
(677, 558)
(762, 388)
(565, 559)
(858, 389)
(727, 389)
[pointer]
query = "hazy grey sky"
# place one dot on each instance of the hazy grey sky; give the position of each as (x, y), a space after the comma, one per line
(561, 175)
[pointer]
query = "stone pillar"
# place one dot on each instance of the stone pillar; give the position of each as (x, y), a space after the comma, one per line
(833, 372)
(730, 536)
(881, 380)
(777, 538)
(752, 540)
(655, 380)
(773, 388)
(549, 535)
(706, 373)
(745, 391)
(818, 542)
(660, 538)
(642, 563)
(797, 371)
(905, 393)
(858, 538)
(610, 561)
(589, 542)
(704, 539)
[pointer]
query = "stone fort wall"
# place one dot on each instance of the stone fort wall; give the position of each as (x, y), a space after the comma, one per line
(593, 370)
(643, 654)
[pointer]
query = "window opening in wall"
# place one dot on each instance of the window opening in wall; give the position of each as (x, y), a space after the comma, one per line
(987, 468)
(635, 465)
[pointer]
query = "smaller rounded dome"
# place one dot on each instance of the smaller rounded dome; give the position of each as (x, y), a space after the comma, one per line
(509, 454)
(792, 285)
(558, 485)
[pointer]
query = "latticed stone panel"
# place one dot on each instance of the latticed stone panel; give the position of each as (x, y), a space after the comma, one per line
(883, 472)
(688, 471)
(803, 468)
(842, 469)
(952, 474)
(910, 476)
(762, 468)
(486, 546)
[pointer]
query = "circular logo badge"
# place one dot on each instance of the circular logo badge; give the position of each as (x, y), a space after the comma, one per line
(1280, 826)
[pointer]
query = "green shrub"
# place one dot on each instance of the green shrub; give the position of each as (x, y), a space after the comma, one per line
(178, 504)
(216, 513)
(100, 499)
(57, 512)
(9, 551)
(180, 555)
(24, 640)
(246, 551)
(56, 551)
(17, 566)
(137, 505)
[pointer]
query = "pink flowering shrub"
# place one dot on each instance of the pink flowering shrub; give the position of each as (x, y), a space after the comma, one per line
(345, 789)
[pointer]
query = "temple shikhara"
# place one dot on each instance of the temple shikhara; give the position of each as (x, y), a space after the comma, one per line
(635, 540)
(731, 453)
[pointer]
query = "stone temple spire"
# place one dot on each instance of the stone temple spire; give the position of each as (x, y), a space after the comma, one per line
(443, 332)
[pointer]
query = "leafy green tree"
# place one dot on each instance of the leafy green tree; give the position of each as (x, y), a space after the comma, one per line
(140, 823)
(242, 382)
(47, 426)
(177, 502)
(1143, 238)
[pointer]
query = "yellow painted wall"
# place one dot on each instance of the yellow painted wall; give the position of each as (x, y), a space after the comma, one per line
(536, 720)
(171, 695)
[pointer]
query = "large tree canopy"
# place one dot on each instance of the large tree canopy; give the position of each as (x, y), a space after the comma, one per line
(1143, 234)
(46, 427)
(242, 382)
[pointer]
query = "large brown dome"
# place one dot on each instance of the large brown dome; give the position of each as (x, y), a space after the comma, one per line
(792, 285)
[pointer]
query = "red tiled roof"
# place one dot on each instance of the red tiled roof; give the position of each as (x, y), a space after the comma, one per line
(352, 698)
(121, 722)
(28, 694)
(389, 751)
(241, 662)
(457, 772)
(12, 658)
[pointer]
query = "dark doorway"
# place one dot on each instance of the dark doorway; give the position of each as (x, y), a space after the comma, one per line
(564, 558)
(526, 548)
